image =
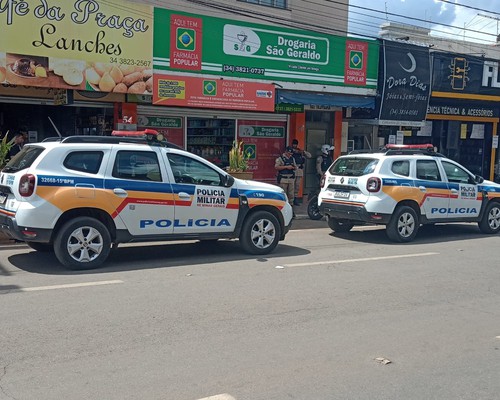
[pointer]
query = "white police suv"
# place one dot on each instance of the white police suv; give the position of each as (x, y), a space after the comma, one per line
(78, 196)
(403, 187)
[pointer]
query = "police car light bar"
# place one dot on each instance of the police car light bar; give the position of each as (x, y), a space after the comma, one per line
(427, 146)
(143, 133)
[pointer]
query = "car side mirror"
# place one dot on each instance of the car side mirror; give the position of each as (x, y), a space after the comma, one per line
(227, 181)
(478, 179)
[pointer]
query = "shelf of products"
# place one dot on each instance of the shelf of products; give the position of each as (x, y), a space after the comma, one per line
(211, 139)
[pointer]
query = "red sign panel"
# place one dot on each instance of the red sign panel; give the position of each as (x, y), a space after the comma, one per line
(185, 42)
(263, 150)
(356, 57)
(188, 91)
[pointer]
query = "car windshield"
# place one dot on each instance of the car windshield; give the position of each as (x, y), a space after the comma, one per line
(352, 166)
(23, 159)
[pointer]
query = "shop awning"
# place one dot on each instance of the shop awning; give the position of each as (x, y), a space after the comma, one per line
(324, 99)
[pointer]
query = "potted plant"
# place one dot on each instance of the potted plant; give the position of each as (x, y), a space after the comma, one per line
(238, 161)
(4, 150)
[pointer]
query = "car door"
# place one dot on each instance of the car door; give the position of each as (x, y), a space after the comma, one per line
(140, 192)
(430, 182)
(465, 200)
(202, 203)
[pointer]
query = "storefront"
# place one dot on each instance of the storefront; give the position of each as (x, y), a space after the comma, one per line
(251, 72)
(210, 134)
(28, 109)
(463, 114)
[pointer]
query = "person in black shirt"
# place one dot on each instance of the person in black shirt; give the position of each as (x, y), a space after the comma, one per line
(17, 145)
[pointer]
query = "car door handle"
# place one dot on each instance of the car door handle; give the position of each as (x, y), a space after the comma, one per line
(422, 189)
(120, 192)
(184, 196)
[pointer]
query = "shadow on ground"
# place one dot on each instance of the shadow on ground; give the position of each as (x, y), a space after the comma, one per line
(155, 255)
(427, 234)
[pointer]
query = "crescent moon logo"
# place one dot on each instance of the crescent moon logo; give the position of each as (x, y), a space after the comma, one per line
(413, 64)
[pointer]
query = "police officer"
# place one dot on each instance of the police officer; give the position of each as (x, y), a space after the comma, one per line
(286, 167)
(299, 156)
(324, 160)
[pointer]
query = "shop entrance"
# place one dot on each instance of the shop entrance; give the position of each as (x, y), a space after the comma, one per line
(315, 138)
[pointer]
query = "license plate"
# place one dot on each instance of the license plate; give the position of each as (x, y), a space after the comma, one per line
(341, 195)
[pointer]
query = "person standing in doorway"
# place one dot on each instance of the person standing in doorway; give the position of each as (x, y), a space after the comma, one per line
(299, 156)
(286, 167)
(324, 160)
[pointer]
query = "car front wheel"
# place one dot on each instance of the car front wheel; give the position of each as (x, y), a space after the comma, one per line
(260, 233)
(403, 225)
(82, 243)
(490, 223)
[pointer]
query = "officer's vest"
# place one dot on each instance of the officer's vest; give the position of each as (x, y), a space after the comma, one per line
(327, 161)
(287, 173)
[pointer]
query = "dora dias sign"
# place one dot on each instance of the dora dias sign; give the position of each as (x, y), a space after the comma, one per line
(207, 45)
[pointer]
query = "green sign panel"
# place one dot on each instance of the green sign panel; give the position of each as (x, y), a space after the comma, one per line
(261, 131)
(197, 44)
(159, 122)
(289, 108)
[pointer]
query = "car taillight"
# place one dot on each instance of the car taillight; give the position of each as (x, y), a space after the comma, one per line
(322, 181)
(373, 184)
(26, 185)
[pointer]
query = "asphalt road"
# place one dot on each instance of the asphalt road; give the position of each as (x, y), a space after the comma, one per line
(186, 321)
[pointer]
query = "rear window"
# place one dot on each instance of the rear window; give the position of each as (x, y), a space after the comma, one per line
(352, 166)
(85, 161)
(24, 158)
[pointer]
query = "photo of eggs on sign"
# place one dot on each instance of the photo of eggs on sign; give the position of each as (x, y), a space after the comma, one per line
(28, 70)
(118, 78)
(25, 69)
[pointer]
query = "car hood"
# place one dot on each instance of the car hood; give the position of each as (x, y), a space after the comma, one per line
(256, 185)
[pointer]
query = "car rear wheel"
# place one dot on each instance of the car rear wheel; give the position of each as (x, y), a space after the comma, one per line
(82, 243)
(339, 225)
(403, 225)
(261, 233)
(41, 247)
(490, 223)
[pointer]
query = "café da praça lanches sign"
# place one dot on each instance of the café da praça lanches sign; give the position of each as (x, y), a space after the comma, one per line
(77, 44)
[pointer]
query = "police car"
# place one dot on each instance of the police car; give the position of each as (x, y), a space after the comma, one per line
(403, 187)
(78, 196)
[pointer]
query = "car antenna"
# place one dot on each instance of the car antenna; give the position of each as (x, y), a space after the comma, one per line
(55, 127)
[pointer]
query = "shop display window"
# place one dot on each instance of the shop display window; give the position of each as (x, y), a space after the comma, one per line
(211, 138)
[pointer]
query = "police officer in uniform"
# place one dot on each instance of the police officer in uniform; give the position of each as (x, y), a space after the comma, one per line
(286, 167)
(324, 160)
(299, 156)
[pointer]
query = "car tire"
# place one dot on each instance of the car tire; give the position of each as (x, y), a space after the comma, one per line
(41, 247)
(403, 225)
(490, 223)
(260, 233)
(82, 243)
(339, 225)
